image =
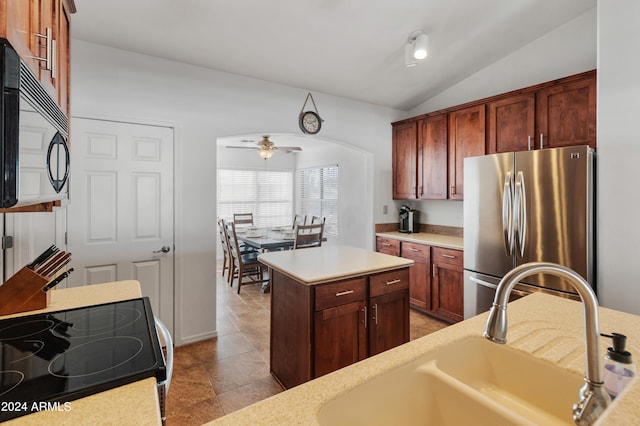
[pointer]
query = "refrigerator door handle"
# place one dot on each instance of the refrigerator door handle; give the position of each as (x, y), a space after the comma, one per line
(494, 286)
(520, 219)
(483, 283)
(507, 214)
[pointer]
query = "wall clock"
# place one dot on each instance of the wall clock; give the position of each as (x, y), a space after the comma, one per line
(309, 121)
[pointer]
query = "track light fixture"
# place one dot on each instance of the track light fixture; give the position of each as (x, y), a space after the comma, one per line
(416, 48)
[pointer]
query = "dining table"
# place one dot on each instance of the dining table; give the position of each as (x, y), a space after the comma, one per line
(267, 239)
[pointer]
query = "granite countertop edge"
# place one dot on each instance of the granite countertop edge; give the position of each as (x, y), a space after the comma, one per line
(437, 240)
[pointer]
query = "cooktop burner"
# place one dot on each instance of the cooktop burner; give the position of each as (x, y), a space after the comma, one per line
(65, 355)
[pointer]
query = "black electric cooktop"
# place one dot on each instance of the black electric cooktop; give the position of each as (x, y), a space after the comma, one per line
(57, 357)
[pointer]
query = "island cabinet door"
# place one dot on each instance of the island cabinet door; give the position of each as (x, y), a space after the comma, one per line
(388, 310)
(340, 337)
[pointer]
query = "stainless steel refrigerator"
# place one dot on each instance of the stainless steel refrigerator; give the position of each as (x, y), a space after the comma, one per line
(526, 207)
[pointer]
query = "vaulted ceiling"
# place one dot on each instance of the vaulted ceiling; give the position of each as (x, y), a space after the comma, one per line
(348, 48)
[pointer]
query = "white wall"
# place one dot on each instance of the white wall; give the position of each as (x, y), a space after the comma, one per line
(204, 105)
(569, 49)
(355, 190)
(618, 154)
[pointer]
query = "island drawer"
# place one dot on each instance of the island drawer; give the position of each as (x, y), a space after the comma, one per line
(388, 282)
(340, 293)
(388, 246)
(417, 252)
(450, 256)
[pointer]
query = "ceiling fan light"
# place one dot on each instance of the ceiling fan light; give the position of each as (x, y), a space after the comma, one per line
(420, 46)
(265, 153)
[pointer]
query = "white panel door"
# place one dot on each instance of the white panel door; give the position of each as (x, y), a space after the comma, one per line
(121, 209)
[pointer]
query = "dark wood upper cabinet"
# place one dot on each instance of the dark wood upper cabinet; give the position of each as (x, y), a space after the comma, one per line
(432, 158)
(566, 114)
(405, 161)
(511, 123)
(466, 139)
(429, 150)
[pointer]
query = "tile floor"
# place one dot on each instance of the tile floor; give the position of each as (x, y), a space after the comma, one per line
(214, 377)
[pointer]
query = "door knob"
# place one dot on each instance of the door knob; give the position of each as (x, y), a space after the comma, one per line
(164, 249)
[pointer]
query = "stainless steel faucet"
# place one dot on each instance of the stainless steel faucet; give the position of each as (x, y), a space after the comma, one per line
(593, 398)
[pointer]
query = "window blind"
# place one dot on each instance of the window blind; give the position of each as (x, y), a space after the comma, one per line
(268, 194)
(317, 194)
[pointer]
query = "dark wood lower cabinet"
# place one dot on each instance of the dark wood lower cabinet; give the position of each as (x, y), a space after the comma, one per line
(448, 284)
(340, 337)
(317, 329)
(419, 274)
(436, 280)
(389, 321)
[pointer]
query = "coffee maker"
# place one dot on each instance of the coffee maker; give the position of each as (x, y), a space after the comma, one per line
(409, 220)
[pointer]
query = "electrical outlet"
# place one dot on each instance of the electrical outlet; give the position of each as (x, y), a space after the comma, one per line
(385, 209)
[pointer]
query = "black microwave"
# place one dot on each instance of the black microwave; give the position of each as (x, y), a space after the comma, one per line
(34, 157)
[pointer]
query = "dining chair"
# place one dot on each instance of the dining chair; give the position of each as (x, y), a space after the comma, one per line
(243, 218)
(226, 259)
(226, 232)
(308, 236)
(299, 220)
(317, 219)
(247, 268)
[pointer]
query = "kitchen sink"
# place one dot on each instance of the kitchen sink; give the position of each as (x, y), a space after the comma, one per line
(470, 381)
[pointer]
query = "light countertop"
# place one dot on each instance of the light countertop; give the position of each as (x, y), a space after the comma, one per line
(438, 240)
(134, 403)
(547, 327)
(330, 263)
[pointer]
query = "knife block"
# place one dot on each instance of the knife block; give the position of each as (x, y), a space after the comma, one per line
(23, 292)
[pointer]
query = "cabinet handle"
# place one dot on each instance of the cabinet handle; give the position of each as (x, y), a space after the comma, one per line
(529, 142)
(453, 190)
(392, 282)
(375, 315)
(365, 316)
(541, 140)
(344, 293)
(434, 271)
(385, 244)
(54, 64)
(414, 249)
(448, 256)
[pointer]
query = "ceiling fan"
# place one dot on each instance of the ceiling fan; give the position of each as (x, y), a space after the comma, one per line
(266, 148)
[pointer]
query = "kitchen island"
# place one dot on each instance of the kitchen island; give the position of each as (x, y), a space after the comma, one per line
(332, 306)
(135, 403)
(543, 326)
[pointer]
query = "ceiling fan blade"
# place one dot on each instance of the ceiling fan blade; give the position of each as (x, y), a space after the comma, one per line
(289, 148)
(242, 147)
